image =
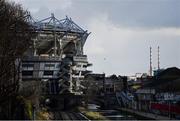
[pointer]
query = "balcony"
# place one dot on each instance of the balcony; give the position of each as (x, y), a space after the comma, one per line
(82, 58)
(42, 58)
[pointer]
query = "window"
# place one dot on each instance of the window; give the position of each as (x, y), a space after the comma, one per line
(85, 66)
(27, 73)
(27, 65)
(49, 65)
(48, 73)
(78, 66)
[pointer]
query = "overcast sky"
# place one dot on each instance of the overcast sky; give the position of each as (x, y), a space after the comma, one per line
(122, 31)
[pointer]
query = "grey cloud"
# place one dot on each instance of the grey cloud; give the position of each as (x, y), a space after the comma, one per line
(133, 13)
(128, 13)
(124, 14)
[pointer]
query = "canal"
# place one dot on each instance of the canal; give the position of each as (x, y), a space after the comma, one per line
(111, 114)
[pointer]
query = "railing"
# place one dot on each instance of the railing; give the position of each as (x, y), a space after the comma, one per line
(42, 58)
(82, 58)
(166, 107)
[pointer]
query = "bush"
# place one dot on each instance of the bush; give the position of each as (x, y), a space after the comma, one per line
(42, 115)
(91, 114)
(94, 115)
(27, 106)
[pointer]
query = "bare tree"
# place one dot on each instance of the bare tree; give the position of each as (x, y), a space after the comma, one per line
(90, 89)
(15, 38)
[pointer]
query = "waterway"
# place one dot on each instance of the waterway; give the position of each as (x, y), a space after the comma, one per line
(111, 114)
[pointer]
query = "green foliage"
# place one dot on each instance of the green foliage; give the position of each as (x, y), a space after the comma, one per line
(27, 107)
(91, 114)
(94, 115)
(42, 115)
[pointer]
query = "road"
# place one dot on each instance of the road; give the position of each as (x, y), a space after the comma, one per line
(68, 116)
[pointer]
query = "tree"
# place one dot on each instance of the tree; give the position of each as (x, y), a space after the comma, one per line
(91, 88)
(16, 35)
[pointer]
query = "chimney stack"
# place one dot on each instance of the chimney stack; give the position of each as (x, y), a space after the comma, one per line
(158, 57)
(150, 70)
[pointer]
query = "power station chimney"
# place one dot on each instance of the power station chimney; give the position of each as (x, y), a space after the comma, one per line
(150, 70)
(158, 57)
